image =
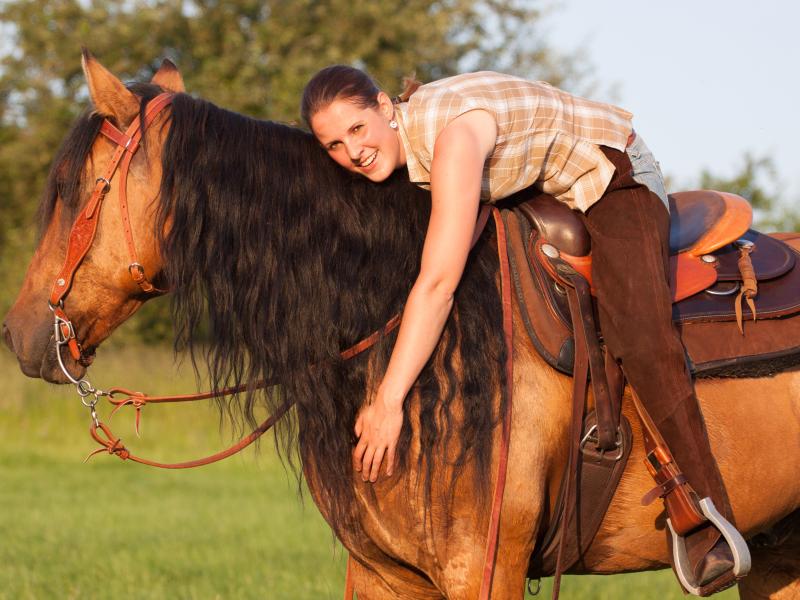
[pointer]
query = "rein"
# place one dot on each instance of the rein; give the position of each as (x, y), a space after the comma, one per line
(81, 238)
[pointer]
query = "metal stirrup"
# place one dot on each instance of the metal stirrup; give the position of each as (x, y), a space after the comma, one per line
(739, 549)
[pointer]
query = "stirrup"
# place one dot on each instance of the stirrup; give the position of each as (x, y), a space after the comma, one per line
(741, 554)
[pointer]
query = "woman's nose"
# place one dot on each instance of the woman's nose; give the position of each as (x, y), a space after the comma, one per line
(353, 152)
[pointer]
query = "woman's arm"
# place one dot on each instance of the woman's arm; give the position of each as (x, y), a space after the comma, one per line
(458, 159)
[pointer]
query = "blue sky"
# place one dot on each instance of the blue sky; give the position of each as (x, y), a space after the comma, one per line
(707, 80)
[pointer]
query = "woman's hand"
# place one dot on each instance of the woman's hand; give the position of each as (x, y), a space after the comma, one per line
(378, 426)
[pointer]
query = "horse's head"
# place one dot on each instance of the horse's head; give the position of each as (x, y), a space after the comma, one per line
(83, 210)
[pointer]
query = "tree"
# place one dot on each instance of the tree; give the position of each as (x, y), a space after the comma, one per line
(251, 56)
(757, 181)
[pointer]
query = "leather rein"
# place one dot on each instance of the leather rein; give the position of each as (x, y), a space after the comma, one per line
(80, 240)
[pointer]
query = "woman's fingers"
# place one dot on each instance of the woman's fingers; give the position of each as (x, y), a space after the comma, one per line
(366, 463)
(390, 457)
(376, 464)
(377, 441)
(358, 453)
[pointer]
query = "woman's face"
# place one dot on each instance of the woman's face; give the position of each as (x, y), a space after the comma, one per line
(360, 139)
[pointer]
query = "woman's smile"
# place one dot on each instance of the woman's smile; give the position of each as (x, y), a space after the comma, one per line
(369, 161)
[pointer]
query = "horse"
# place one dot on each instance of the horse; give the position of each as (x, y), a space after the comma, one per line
(276, 260)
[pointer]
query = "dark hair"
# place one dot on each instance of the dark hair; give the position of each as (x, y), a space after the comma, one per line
(337, 81)
(264, 231)
(354, 85)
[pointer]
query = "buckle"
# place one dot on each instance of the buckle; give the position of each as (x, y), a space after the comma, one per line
(64, 330)
(138, 275)
(591, 436)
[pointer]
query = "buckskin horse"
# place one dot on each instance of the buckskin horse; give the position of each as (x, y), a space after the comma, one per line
(253, 230)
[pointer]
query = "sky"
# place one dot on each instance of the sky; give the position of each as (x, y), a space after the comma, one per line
(707, 80)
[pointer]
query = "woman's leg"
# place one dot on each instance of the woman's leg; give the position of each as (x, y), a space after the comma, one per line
(629, 228)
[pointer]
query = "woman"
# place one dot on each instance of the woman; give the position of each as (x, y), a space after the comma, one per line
(481, 137)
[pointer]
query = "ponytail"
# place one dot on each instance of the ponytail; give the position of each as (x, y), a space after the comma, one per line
(410, 85)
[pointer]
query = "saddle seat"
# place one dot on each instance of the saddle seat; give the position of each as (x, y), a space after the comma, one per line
(700, 222)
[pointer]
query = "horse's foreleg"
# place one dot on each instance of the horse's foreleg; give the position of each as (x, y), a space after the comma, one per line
(462, 576)
(389, 581)
(776, 563)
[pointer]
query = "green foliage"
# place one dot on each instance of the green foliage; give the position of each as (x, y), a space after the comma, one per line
(757, 181)
(251, 56)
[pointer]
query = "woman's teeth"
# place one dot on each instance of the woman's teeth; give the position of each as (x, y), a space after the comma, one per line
(369, 160)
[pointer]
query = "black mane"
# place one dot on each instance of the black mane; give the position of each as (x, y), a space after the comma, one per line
(282, 260)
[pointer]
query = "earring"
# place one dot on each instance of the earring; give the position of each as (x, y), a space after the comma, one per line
(393, 124)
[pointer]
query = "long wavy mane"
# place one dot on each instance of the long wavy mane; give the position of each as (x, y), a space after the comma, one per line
(287, 259)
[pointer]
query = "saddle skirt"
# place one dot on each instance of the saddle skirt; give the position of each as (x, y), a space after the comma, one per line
(709, 236)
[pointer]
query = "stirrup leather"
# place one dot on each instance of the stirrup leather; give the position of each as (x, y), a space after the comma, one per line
(739, 549)
(682, 507)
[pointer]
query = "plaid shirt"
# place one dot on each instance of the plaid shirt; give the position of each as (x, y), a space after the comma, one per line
(545, 136)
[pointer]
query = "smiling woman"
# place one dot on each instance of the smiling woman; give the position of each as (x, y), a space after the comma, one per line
(485, 136)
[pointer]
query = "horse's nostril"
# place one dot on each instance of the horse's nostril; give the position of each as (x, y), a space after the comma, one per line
(7, 337)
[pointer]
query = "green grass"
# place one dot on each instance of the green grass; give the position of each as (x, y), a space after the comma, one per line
(107, 529)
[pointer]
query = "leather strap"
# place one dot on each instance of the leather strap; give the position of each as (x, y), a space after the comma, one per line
(585, 327)
(679, 497)
(749, 287)
(68, 333)
(113, 445)
(349, 588)
(663, 489)
(372, 339)
(502, 463)
(579, 389)
(84, 229)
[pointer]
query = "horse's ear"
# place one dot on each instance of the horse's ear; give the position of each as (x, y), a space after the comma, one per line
(109, 95)
(168, 77)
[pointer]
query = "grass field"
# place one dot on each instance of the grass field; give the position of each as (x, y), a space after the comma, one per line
(108, 529)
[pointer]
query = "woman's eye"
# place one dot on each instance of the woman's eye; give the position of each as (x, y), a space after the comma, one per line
(333, 146)
(357, 128)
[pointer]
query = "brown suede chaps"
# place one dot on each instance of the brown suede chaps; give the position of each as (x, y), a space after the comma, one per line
(629, 228)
